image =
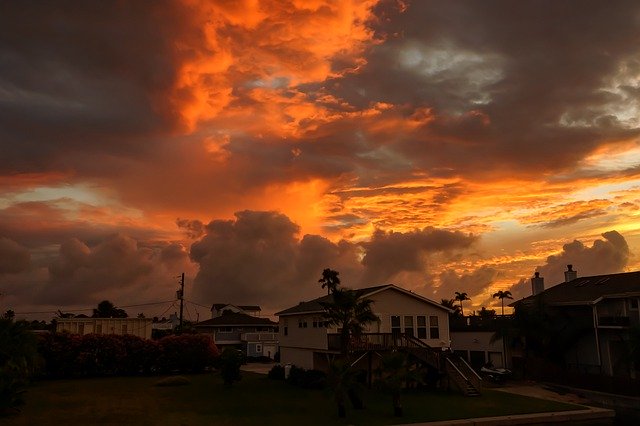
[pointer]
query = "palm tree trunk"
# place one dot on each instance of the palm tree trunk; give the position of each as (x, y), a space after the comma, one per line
(397, 406)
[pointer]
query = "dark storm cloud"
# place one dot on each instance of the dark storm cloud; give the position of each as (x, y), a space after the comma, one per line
(514, 86)
(81, 272)
(389, 253)
(80, 79)
(468, 282)
(14, 258)
(606, 256)
(258, 258)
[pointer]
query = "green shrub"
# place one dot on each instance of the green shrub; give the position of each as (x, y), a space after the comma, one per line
(307, 379)
(276, 372)
(18, 355)
(230, 362)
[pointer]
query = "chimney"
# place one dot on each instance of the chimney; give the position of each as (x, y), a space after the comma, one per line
(570, 274)
(537, 284)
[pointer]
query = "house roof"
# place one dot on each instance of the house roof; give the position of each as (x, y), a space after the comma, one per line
(315, 305)
(233, 318)
(590, 290)
(249, 308)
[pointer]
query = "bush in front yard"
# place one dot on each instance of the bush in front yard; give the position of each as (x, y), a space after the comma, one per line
(307, 379)
(18, 358)
(276, 372)
(186, 353)
(67, 355)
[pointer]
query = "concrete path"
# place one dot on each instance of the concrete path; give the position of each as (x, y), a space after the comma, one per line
(258, 367)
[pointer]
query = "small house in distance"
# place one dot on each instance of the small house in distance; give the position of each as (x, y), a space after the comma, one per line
(232, 326)
(82, 325)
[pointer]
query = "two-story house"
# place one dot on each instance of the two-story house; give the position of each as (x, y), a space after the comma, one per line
(605, 307)
(233, 326)
(306, 339)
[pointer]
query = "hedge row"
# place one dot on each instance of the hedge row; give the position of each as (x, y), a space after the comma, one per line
(71, 355)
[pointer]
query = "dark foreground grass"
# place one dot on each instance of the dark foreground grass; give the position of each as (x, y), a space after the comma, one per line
(253, 401)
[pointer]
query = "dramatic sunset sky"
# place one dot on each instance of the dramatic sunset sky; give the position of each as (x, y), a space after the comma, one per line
(438, 145)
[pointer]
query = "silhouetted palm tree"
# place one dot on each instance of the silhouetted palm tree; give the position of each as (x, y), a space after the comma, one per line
(330, 280)
(502, 295)
(460, 297)
(451, 304)
(394, 374)
(349, 313)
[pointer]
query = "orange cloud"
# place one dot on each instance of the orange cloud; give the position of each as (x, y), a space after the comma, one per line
(266, 44)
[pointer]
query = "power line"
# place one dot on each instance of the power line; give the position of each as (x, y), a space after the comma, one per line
(91, 309)
(197, 304)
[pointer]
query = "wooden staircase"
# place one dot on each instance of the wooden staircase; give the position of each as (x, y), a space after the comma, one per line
(457, 369)
(463, 376)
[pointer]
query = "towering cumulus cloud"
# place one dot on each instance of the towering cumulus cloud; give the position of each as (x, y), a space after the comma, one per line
(606, 256)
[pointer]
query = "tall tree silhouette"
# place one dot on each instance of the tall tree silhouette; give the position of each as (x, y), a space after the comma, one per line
(107, 309)
(461, 297)
(330, 280)
(451, 304)
(502, 295)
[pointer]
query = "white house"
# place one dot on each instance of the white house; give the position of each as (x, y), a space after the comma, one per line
(140, 327)
(306, 340)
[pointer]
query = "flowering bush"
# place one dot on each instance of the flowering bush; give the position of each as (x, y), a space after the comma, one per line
(67, 355)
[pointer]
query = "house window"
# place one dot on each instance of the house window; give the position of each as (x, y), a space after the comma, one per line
(408, 326)
(316, 322)
(422, 327)
(99, 328)
(633, 304)
(124, 328)
(395, 325)
(302, 323)
(286, 330)
(434, 331)
(80, 328)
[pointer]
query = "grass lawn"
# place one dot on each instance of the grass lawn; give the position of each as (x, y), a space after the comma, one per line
(255, 400)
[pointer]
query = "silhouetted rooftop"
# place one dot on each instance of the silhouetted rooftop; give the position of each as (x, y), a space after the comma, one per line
(315, 305)
(233, 318)
(589, 290)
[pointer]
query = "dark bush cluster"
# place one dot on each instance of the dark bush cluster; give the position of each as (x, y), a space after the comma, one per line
(276, 372)
(307, 379)
(67, 355)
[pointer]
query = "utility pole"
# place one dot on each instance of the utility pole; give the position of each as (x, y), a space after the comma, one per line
(180, 294)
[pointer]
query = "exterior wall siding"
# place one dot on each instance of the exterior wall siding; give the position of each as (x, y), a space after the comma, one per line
(391, 302)
(302, 358)
(140, 327)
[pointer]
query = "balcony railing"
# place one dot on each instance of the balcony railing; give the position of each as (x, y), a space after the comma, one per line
(613, 321)
(227, 336)
(258, 337)
(383, 341)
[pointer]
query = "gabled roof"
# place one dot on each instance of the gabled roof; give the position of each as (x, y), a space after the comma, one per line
(248, 308)
(233, 318)
(590, 290)
(315, 305)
